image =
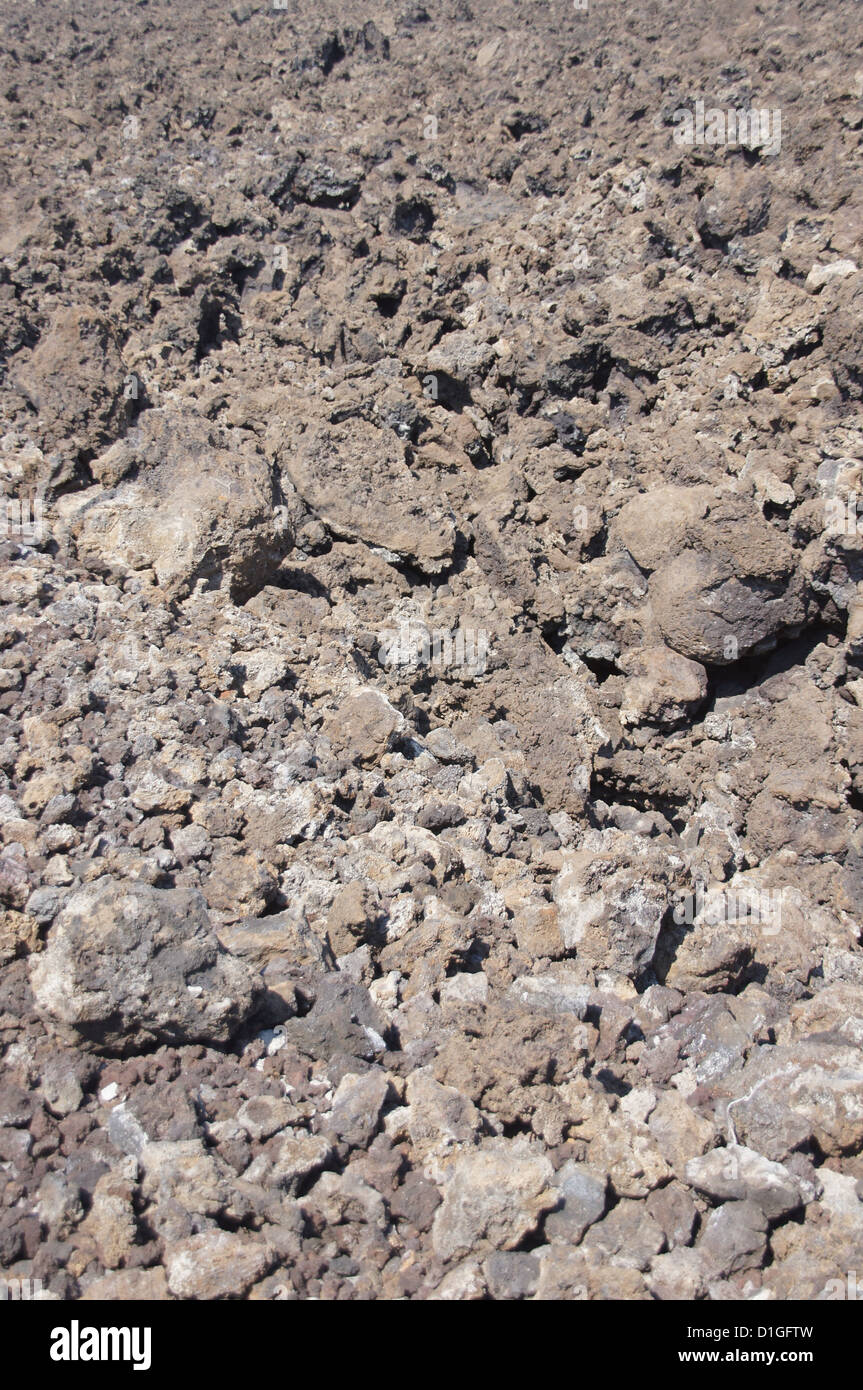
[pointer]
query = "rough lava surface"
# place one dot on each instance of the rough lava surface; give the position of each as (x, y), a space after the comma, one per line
(431, 651)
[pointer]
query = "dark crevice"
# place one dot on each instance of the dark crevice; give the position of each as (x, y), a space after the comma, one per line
(446, 390)
(854, 798)
(606, 788)
(601, 668)
(553, 638)
(728, 682)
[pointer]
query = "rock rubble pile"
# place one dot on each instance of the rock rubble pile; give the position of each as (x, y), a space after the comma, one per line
(431, 652)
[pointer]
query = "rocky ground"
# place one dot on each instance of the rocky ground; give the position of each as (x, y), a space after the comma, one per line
(431, 699)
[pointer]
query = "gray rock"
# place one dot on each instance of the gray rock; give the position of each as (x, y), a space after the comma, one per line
(45, 903)
(734, 1237)
(357, 1107)
(438, 1118)
(738, 1173)
(512, 1274)
(263, 1116)
(583, 1199)
(556, 993)
(59, 1205)
(323, 186)
(288, 1160)
(126, 1132)
(611, 895)
(628, 1236)
(61, 1087)
(343, 1020)
(127, 966)
(446, 747)
(786, 1096)
(674, 1210)
(680, 1275)
(493, 1196)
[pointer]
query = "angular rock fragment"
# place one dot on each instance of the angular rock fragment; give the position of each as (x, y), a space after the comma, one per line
(365, 725)
(127, 966)
(738, 1173)
(355, 478)
(734, 1237)
(611, 898)
(288, 1160)
(582, 1201)
(662, 688)
(786, 1096)
(185, 500)
(493, 1196)
(357, 1107)
(215, 1265)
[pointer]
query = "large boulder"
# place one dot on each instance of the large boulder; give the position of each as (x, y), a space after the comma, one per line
(611, 895)
(355, 478)
(127, 966)
(185, 499)
(787, 1097)
(722, 580)
(494, 1196)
